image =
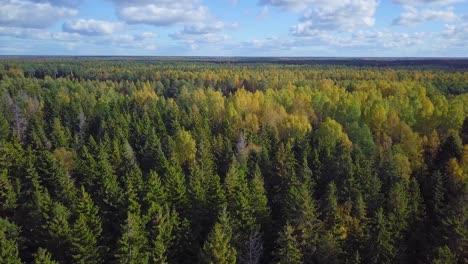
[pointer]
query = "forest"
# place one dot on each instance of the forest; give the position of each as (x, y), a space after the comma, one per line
(147, 161)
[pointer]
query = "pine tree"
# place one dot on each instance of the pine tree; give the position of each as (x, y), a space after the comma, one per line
(288, 249)
(4, 128)
(131, 245)
(238, 195)
(155, 195)
(176, 189)
(59, 135)
(55, 178)
(332, 219)
(302, 215)
(218, 249)
(445, 256)
(7, 195)
(163, 226)
(153, 156)
(258, 198)
(86, 231)
(381, 246)
(398, 209)
(207, 199)
(42, 256)
(8, 243)
(59, 233)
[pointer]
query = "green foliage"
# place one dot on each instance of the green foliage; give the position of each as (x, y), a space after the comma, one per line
(444, 256)
(42, 256)
(218, 248)
(7, 194)
(288, 250)
(141, 161)
(8, 243)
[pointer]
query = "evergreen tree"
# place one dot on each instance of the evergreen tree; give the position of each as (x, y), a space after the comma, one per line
(176, 190)
(218, 249)
(332, 219)
(55, 178)
(398, 209)
(4, 128)
(381, 248)
(59, 233)
(238, 195)
(444, 256)
(302, 215)
(86, 231)
(288, 250)
(131, 245)
(59, 136)
(7, 195)
(42, 256)
(163, 226)
(207, 198)
(153, 156)
(258, 198)
(8, 243)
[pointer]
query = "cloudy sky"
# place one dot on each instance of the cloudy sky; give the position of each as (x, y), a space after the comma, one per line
(235, 27)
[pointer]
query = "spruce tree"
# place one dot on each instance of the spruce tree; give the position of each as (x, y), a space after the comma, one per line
(58, 232)
(8, 243)
(218, 248)
(42, 256)
(287, 248)
(381, 248)
(176, 190)
(7, 195)
(131, 245)
(258, 198)
(445, 256)
(86, 231)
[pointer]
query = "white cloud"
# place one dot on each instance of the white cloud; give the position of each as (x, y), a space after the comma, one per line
(91, 27)
(160, 12)
(40, 34)
(341, 16)
(458, 33)
(412, 16)
(198, 39)
(145, 40)
(204, 28)
(292, 5)
(426, 2)
(59, 2)
(362, 43)
(19, 13)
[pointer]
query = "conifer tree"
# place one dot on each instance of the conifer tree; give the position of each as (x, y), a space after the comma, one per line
(444, 256)
(4, 128)
(302, 215)
(176, 190)
(238, 195)
(288, 250)
(258, 198)
(381, 246)
(59, 233)
(8, 243)
(7, 195)
(218, 249)
(86, 231)
(332, 219)
(42, 256)
(131, 245)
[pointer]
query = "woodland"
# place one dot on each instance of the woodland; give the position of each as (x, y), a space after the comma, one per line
(147, 161)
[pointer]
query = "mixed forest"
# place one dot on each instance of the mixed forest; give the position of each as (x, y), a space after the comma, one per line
(140, 161)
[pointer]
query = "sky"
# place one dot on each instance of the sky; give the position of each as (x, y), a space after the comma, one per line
(317, 28)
